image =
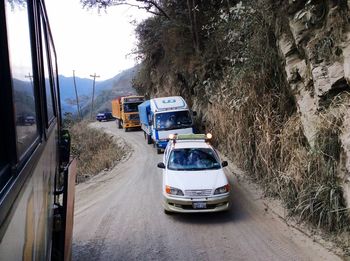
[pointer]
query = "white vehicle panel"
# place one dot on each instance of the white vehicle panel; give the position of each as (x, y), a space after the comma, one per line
(192, 180)
(163, 135)
(168, 103)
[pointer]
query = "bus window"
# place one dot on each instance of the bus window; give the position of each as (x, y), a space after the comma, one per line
(54, 71)
(22, 75)
(49, 101)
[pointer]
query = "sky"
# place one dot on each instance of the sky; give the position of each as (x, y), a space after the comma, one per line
(88, 42)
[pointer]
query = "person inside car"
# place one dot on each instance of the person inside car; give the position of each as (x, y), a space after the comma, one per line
(177, 159)
(194, 159)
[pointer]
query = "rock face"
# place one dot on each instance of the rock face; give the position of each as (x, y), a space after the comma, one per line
(315, 46)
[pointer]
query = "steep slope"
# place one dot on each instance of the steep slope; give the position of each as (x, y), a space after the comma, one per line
(271, 80)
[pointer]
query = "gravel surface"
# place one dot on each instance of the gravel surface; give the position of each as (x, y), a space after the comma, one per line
(118, 216)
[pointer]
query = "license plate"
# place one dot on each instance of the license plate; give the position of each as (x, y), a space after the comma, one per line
(198, 205)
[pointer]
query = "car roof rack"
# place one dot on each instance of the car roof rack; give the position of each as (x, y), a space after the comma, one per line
(190, 137)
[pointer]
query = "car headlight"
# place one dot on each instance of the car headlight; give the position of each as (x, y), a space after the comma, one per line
(222, 190)
(173, 191)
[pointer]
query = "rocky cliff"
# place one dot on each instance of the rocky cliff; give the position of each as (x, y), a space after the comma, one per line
(270, 79)
(315, 47)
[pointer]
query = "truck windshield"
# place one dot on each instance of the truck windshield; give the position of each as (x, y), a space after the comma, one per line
(131, 107)
(193, 159)
(173, 120)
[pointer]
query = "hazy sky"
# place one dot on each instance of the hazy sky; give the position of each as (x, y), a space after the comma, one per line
(88, 42)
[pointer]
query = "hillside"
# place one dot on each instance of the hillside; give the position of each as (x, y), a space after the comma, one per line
(270, 79)
(105, 91)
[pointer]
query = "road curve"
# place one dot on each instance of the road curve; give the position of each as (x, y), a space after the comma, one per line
(118, 216)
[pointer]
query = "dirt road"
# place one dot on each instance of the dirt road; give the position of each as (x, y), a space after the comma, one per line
(118, 216)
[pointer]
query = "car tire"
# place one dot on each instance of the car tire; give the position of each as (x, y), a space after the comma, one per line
(149, 139)
(159, 151)
(167, 212)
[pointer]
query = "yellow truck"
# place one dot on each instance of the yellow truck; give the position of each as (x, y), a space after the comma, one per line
(125, 110)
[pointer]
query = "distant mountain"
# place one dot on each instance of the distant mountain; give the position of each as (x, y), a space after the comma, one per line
(67, 92)
(105, 91)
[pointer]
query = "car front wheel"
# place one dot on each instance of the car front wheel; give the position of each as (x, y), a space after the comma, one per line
(167, 212)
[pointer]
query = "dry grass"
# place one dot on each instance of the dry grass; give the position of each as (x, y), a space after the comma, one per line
(266, 137)
(94, 150)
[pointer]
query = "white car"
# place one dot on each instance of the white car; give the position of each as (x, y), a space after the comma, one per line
(193, 176)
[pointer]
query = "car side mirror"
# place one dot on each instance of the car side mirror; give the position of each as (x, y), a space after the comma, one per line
(161, 165)
(224, 163)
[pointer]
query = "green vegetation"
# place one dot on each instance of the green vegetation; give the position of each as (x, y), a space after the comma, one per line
(222, 57)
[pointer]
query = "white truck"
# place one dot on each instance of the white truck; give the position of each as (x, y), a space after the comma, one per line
(161, 117)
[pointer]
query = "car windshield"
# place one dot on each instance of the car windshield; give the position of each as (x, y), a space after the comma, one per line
(131, 107)
(173, 120)
(193, 159)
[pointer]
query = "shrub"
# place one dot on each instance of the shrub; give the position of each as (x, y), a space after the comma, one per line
(94, 150)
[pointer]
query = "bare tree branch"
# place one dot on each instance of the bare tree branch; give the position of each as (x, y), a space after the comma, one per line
(154, 4)
(144, 4)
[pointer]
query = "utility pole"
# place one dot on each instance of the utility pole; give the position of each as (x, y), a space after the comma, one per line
(93, 92)
(30, 78)
(76, 95)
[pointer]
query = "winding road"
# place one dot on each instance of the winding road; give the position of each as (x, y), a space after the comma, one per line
(118, 216)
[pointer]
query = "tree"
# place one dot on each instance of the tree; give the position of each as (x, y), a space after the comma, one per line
(151, 6)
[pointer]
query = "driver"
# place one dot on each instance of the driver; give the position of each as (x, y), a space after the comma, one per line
(171, 121)
(194, 159)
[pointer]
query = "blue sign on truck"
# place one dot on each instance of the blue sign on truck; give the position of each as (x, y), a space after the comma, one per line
(161, 117)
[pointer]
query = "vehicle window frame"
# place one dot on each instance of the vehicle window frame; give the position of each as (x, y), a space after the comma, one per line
(45, 39)
(55, 78)
(19, 158)
(16, 161)
(8, 144)
(166, 153)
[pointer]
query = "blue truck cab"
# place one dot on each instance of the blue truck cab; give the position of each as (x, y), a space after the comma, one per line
(163, 116)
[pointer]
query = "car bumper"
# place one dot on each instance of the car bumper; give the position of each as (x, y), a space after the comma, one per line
(132, 125)
(161, 144)
(185, 205)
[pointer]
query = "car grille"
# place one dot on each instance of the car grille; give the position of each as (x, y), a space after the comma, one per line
(198, 193)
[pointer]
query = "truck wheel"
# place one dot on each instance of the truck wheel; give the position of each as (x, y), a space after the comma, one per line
(159, 151)
(119, 124)
(149, 139)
